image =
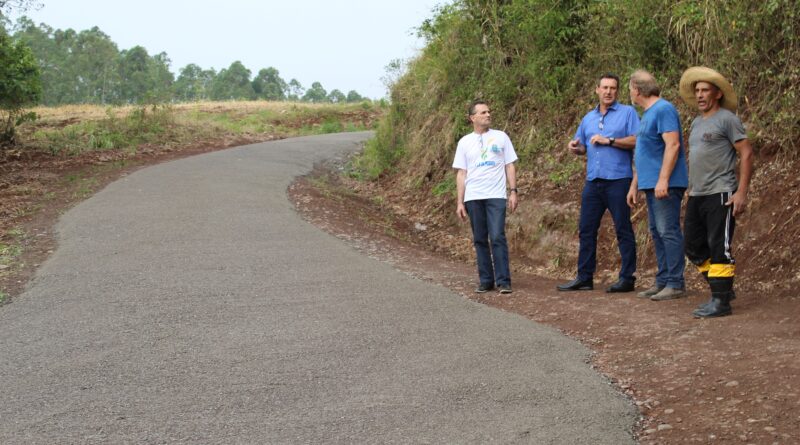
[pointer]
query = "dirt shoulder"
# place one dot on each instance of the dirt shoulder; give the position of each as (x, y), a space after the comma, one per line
(728, 380)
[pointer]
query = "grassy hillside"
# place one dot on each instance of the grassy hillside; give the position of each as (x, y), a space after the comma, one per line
(536, 62)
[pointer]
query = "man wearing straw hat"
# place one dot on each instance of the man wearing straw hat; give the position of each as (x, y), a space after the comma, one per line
(715, 195)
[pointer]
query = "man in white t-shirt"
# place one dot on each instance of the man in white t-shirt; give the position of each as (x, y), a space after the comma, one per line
(484, 163)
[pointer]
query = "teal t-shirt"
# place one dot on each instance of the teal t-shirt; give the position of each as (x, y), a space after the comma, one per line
(660, 118)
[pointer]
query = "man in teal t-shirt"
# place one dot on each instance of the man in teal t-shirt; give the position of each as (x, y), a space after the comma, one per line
(662, 175)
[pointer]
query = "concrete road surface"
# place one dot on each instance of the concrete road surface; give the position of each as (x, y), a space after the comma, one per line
(188, 303)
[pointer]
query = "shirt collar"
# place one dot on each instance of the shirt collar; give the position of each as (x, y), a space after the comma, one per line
(613, 106)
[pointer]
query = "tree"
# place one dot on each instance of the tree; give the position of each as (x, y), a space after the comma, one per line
(337, 97)
(353, 96)
(296, 90)
(316, 94)
(233, 83)
(193, 83)
(269, 85)
(20, 86)
(134, 68)
(21, 5)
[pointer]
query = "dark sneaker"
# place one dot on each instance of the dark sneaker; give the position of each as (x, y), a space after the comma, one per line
(483, 288)
(504, 288)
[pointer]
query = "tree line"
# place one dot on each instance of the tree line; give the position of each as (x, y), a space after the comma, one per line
(88, 67)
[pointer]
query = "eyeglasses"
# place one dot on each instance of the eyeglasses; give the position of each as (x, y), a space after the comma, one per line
(602, 118)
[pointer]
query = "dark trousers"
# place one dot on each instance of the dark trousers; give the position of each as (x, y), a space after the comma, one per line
(598, 196)
(708, 231)
(488, 220)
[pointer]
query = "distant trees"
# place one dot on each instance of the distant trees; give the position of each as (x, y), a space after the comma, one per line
(316, 94)
(233, 83)
(193, 83)
(88, 67)
(268, 85)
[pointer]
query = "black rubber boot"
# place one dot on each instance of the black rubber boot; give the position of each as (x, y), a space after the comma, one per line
(732, 292)
(721, 296)
(719, 306)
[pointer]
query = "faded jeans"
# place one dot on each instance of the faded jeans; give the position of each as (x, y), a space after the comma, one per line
(664, 217)
(488, 220)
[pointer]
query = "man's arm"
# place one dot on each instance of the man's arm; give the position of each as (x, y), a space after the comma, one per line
(511, 177)
(739, 199)
(461, 178)
(626, 143)
(673, 145)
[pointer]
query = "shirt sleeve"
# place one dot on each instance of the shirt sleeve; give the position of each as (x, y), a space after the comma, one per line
(460, 160)
(579, 134)
(509, 154)
(734, 129)
(668, 120)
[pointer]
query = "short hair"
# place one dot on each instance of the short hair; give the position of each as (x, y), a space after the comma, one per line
(645, 83)
(474, 104)
(608, 75)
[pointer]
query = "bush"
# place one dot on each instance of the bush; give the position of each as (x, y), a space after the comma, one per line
(19, 87)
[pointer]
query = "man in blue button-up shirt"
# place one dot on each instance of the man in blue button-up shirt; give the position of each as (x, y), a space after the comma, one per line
(606, 135)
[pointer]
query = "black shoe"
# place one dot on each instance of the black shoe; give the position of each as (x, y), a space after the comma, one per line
(622, 285)
(577, 284)
(504, 288)
(483, 288)
(717, 307)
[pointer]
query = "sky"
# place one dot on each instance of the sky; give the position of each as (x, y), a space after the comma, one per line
(344, 45)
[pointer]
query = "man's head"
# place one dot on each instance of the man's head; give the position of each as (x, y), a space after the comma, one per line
(643, 86)
(707, 96)
(479, 115)
(707, 89)
(607, 89)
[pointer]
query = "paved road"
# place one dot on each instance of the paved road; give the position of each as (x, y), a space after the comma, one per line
(188, 303)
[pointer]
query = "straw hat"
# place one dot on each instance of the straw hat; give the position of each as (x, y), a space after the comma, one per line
(702, 74)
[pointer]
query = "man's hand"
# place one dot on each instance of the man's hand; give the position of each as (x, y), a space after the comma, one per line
(512, 202)
(600, 140)
(662, 189)
(461, 211)
(632, 197)
(575, 147)
(739, 202)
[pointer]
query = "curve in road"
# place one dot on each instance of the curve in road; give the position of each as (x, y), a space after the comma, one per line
(188, 302)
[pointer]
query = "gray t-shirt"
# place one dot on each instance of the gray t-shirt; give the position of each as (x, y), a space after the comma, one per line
(712, 157)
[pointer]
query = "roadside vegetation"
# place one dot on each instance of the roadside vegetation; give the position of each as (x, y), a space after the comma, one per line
(536, 62)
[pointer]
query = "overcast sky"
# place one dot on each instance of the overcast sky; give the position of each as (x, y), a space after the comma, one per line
(342, 44)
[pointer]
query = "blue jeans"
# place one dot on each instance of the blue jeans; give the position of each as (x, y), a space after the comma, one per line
(597, 196)
(488, 220)
(664, 217)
